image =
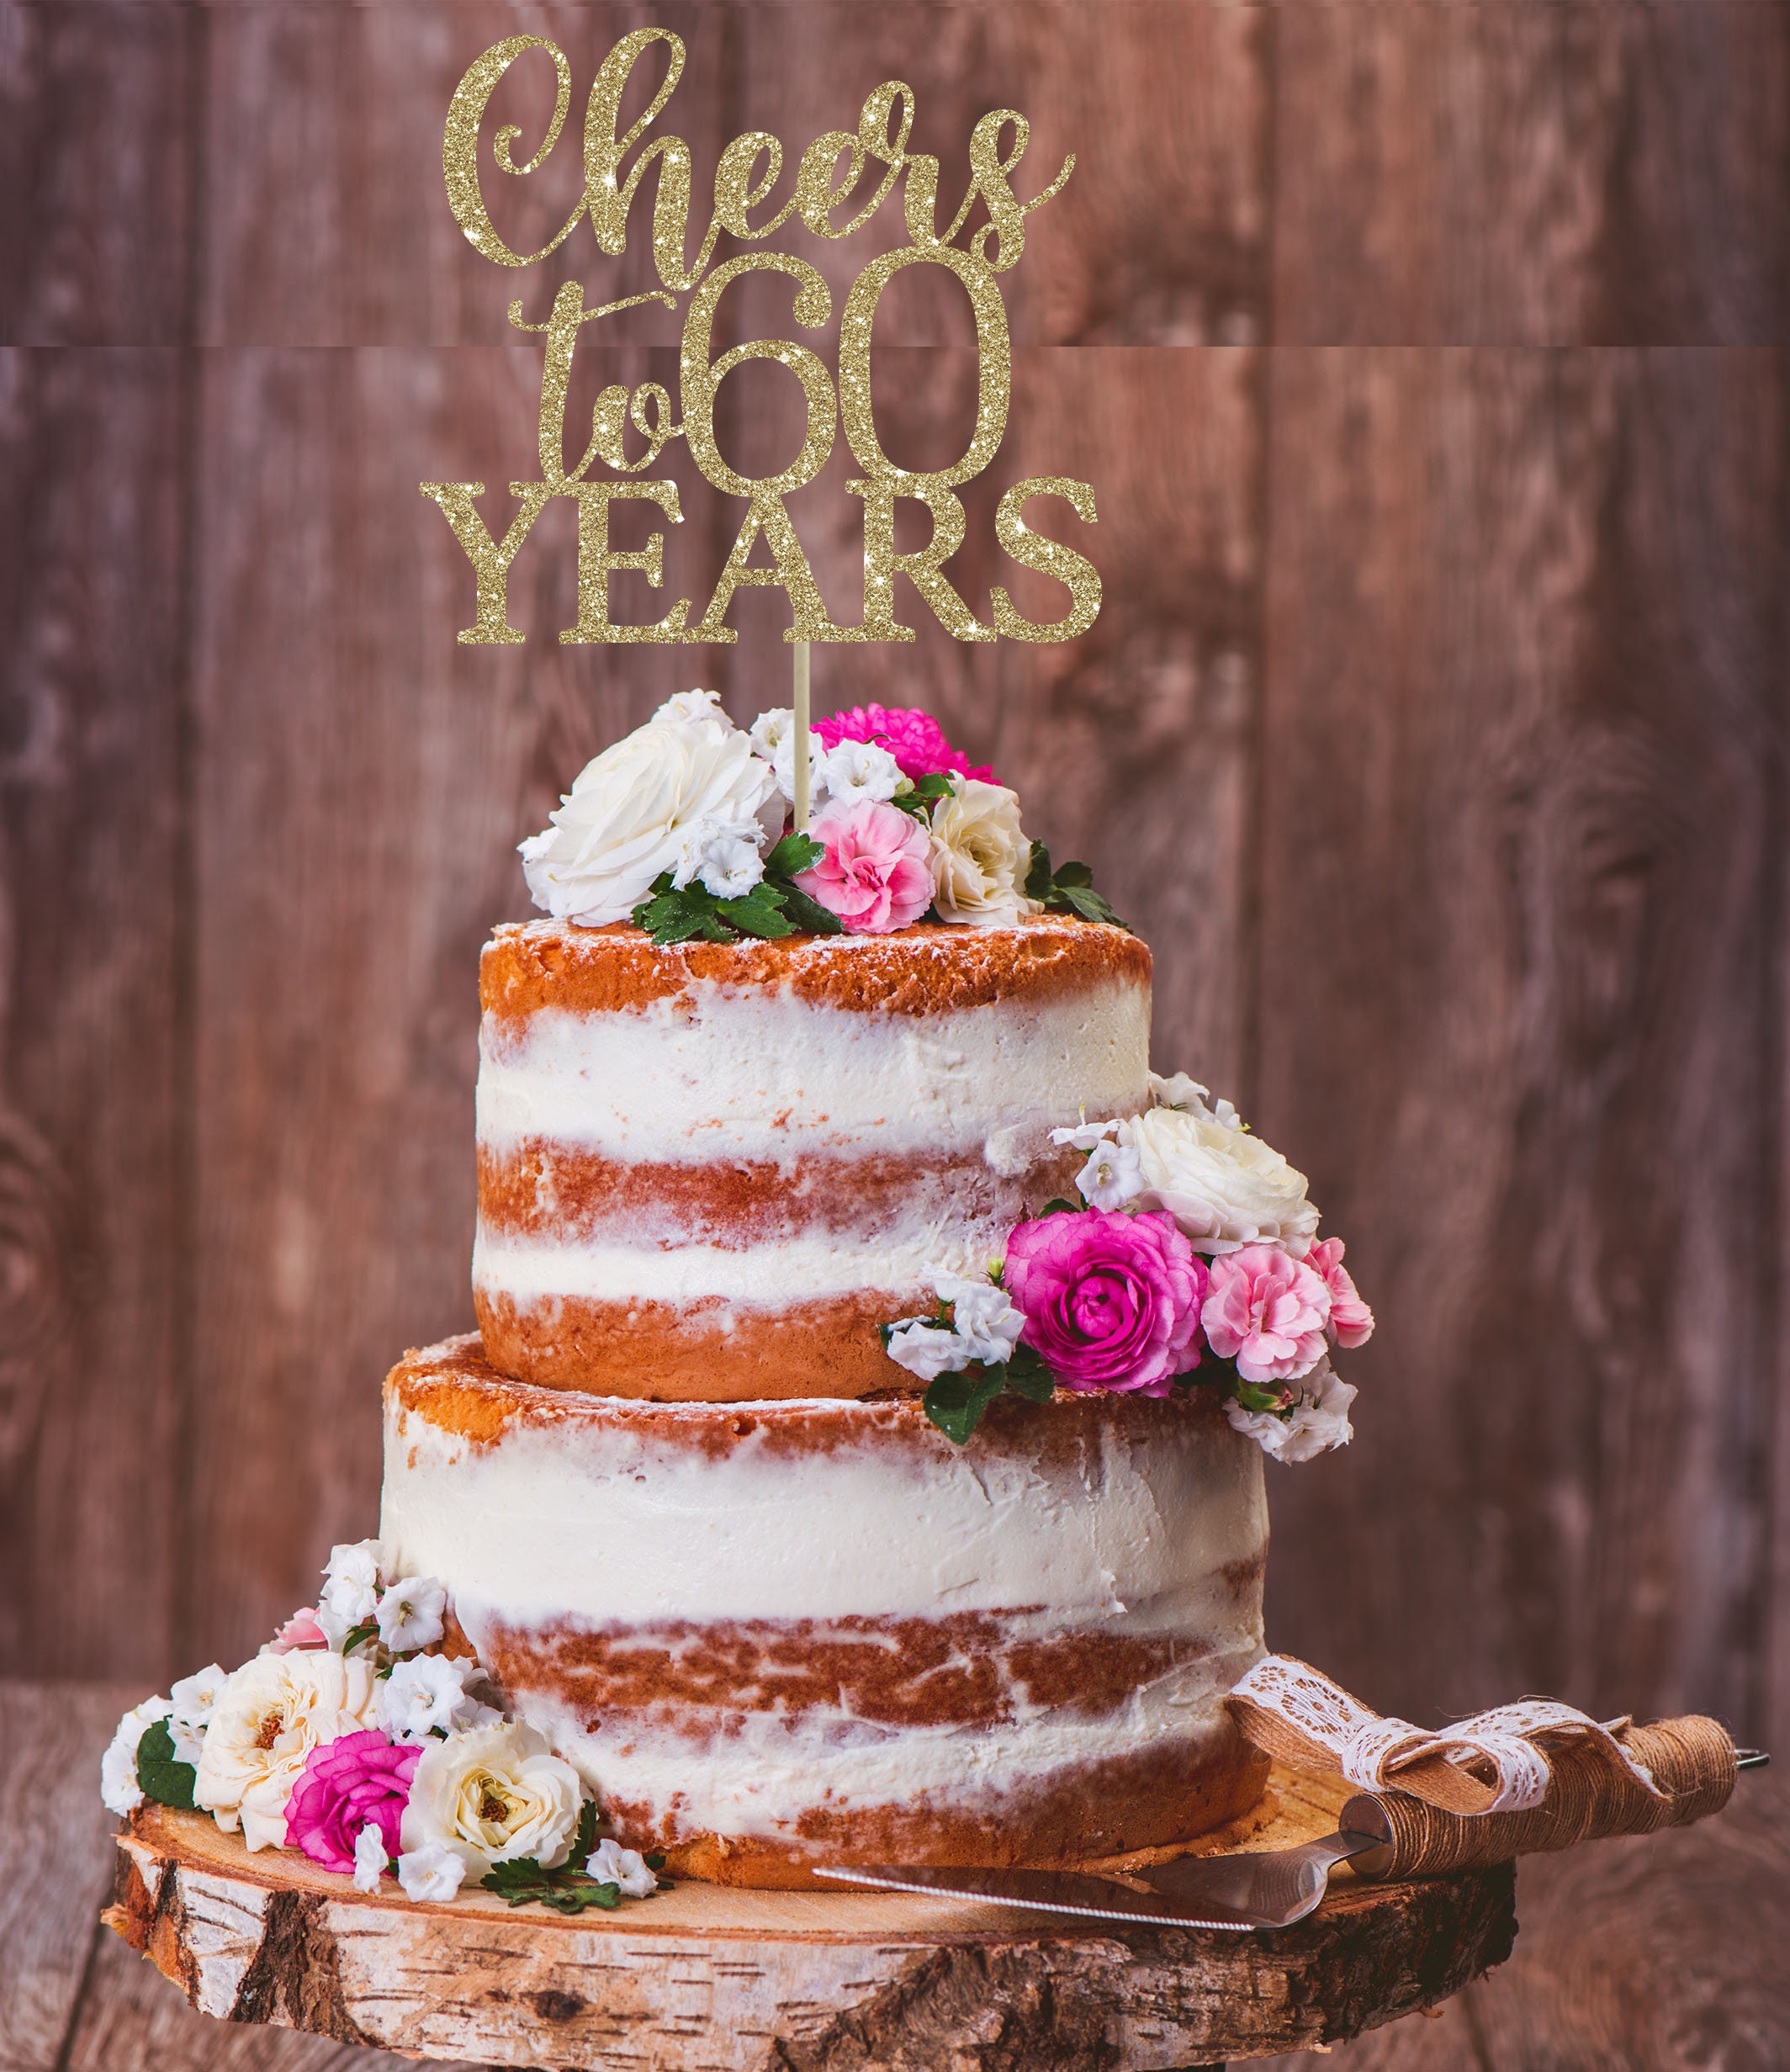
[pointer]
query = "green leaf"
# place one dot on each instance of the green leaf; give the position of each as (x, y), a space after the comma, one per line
(1252, 1397)
(935, 785)
(1038, 877)
(794, 853)
(956, 1402)
(585, 1840)
(809, 915)
(1037, 1385)
(759, 912)
(357, 1636)
(1058, 1207)
(1085, 901)
(159, 1777)
(1069, 874)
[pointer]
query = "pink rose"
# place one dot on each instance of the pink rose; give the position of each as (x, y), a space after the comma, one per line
(346, 1783)
(913, 738)
(1351, 1320)
(1111, 1301)
(875, 872)
(1266, 1311)
(301, 1630)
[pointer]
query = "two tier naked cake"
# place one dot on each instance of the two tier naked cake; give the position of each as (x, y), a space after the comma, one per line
(860, 1457)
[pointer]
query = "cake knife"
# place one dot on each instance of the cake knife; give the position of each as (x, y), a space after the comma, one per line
(1268, 1889)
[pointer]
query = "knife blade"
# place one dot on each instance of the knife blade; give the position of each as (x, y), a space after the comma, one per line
(1270, 1889)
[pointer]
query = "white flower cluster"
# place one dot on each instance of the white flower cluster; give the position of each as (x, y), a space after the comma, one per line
(985, 1327)
(485, 1789)
(689, 793)
(1317, 1420)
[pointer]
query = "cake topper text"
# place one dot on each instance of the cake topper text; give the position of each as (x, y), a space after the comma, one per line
(747, 172)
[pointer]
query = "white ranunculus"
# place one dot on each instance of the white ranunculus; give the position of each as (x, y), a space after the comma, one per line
(626, 817)
(370, 1858)
(496, 1795)
(1318, 1421)
(980, 855)
(410, 1614)
(692, 705)
(118, 1767)
(269, 1716)
(433, 1873)
(724, 854)
(609, 1864)
(351, 1587)
(858, 769)
(432, 1691)
(1225, 1188)
(192, 1699)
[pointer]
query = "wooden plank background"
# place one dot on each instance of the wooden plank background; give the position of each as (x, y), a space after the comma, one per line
(1430, 367)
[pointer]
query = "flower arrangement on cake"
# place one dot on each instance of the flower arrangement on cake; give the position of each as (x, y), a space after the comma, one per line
(1191, 1260)
(352, 1738)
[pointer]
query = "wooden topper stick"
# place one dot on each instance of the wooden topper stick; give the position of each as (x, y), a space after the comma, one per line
(801, 737)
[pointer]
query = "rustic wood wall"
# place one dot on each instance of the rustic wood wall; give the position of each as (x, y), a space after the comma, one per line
(1429, 364)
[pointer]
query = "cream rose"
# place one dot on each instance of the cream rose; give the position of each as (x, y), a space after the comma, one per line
(979, 856)
(1225, 1188)
(268, 1718)
(629, 815)
(496, 1795)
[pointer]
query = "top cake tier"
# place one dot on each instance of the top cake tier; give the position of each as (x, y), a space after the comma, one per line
(707, 1173)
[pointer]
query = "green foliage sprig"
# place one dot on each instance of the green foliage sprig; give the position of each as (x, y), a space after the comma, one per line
(775, 906)
(159, 1776)
(564, 1888)
(1068, 889)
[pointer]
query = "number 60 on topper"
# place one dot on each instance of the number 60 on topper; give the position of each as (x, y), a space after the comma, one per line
(749, 170)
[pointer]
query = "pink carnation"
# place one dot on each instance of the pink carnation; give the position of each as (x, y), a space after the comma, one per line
(345, 1784)
(874, 872)
(1351, 1320)
(301, 1630)
(1111, 1301)
(1266, 1311)
(913, 738)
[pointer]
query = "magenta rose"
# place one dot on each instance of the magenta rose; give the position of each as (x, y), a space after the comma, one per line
(874, 870)
(1351, 1320)
(1111, 1301)
(344, 1784)
(913, 738)
(1268, 1313)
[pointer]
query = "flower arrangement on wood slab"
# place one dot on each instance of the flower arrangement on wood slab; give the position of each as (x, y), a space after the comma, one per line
(1191, 1260)
(352, 1738)
(683, 827)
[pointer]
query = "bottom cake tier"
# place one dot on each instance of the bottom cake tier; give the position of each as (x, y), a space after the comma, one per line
(780, 1633)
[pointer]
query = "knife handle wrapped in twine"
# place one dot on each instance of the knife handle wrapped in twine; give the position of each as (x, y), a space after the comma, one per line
(1516, 1781)
(1691, 1760)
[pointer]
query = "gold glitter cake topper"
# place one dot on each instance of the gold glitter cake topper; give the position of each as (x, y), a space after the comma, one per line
(745, 177)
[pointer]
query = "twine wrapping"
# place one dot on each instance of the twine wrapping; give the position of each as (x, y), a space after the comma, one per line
(1692, 1760)
(1499, 1762)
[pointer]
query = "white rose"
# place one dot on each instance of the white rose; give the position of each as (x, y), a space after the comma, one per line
(609, 1864)
(118, 1767)
(1318, 1420)
(980, 855)
(269, 1716)
(1223, 1187)
(432, 1691)
(193, 1697)
(625, 817)
(496, 1795)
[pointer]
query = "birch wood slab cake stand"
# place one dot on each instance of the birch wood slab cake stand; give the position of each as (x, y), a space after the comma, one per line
(705, 1979)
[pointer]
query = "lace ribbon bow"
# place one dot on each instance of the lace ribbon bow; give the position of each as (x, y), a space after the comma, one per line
(1498, 1761)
